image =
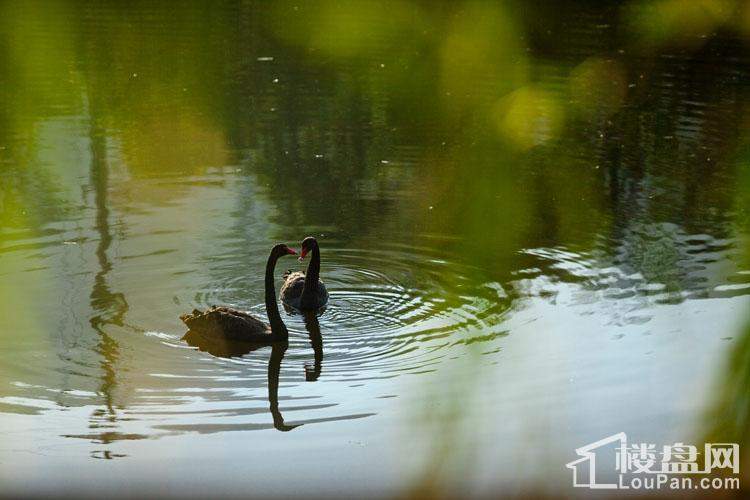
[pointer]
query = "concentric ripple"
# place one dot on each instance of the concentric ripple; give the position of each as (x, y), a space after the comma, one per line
(391, 311)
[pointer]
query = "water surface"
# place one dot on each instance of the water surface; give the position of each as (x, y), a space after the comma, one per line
(533, 230)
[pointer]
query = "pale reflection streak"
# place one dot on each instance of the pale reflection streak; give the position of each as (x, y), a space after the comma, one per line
(109, 307)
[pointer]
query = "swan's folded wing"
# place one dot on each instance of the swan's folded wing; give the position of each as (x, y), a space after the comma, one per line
(292, 287)
(226, 322)
(322, 294)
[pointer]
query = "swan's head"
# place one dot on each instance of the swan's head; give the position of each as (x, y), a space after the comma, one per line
(307, 245)
(280, 250)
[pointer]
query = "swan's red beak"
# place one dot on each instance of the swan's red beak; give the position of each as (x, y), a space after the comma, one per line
(302, 254)
(291, 251)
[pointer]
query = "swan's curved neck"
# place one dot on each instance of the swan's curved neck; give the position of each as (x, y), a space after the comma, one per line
(272, 308)
(312, 275)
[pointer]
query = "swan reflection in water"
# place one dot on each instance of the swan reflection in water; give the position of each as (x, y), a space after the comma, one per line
(313, 331)
(224, 348)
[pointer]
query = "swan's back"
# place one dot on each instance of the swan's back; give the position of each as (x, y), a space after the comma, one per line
(228, 323)
(291, 290)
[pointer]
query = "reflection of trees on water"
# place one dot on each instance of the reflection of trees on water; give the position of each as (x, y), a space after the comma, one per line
(670, 170)
(319, 147)
(610, 181)
(109, 307)
(316, 127)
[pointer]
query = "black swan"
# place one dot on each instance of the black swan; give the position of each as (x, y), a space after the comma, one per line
(304, 290)
(237, 326)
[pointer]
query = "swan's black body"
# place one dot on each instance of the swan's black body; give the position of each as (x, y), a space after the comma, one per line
(237, 326)
(304, 290)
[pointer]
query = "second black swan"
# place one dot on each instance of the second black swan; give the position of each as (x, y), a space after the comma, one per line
(304, 290)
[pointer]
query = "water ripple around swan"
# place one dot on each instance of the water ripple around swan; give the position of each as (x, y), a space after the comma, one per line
(384, 321)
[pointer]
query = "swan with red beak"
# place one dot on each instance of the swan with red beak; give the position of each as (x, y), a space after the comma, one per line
(304, 291)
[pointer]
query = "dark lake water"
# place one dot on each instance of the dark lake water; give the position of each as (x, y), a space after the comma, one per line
(533, 221)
